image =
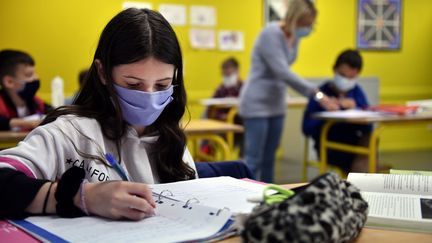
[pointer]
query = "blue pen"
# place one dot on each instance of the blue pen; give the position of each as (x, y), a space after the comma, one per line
(113, 162)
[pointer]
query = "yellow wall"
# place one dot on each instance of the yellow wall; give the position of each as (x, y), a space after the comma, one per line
(404, 75)
(62, 36)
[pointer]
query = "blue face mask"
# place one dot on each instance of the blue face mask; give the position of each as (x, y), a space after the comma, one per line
(303, 32)
(143, 108)
(344, 84)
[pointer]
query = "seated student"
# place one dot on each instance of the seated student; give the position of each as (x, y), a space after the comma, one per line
(345, 94)
(81, 78)
(19, 84)
(130, 106)
(230, 87)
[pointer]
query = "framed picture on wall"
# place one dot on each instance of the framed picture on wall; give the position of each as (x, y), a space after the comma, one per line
(274, 10)
(379, 24)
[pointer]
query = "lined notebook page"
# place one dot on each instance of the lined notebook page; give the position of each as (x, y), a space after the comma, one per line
(216, 192)
(172, 223)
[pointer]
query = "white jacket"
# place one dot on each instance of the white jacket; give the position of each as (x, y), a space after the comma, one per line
(49, 150)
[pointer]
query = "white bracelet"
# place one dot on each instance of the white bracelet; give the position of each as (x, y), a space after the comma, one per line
(82, 197)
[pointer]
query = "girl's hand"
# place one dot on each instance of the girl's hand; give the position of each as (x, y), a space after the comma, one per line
(118, 199)
(329, 104)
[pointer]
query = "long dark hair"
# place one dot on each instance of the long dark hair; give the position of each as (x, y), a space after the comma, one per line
(131, 36)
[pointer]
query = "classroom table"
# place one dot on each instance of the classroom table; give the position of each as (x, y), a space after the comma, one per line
(196, 129)
(232, 103)
(369, 234)
(10, 139)
(380, 120)
(212, 130)
(366, 235)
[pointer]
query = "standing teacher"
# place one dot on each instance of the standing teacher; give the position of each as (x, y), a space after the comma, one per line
(263, 99)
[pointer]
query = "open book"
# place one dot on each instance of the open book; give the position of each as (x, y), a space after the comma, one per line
(402, 202)
(194, 210)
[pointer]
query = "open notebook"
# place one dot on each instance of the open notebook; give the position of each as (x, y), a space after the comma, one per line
(192, 210)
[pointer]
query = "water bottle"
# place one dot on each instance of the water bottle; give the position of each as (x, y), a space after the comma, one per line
(57, 92)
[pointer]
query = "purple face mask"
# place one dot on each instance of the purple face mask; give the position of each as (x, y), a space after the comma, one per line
(143, 108)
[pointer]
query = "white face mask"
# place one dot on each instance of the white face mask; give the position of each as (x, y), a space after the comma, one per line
(344, 84)
(230, 80)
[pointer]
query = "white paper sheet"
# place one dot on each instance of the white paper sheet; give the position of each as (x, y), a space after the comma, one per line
(172, 223)
(174, 13)
(350, 114)
(388, 183)
(202, 38)
(202, 16)
(127, 5)
(231, 40)
(217, 192)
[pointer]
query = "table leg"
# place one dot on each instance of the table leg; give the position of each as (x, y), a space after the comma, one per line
(227, 153)
(323, 146)
(373, 148)
(230, 135)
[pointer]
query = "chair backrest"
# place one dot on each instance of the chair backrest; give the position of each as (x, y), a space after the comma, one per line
(236, 169)
(370, 86)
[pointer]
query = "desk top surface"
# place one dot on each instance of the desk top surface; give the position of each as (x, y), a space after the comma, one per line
(7, 136)
(200, 126)
(233, 102)
(371, 117)
(366, 235)
(195, 126)
(370, 234)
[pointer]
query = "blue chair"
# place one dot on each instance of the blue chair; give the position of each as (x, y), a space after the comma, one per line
(236, 169)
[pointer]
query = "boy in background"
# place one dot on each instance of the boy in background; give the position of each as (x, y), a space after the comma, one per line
(19, 84)
(345, 94)
(230, 87)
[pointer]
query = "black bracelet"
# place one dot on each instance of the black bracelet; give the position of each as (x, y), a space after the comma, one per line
(67, 188)
(46, 199)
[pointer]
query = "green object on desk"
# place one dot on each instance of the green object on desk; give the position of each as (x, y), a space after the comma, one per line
(281, 195)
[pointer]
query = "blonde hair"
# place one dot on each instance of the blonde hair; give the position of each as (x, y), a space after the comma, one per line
(298, 9)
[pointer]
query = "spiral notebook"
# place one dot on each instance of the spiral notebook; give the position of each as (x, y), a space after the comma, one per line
(176, 220)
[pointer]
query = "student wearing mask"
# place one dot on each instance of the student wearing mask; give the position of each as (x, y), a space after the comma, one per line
(230, 86)
(130, 106)
(263, 98)
(346, 94)
(19, 84)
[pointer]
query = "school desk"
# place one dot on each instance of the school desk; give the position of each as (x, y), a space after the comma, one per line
(380, 121)
(212, 130)
(366, 235)
(196, 129)
(232, 103)
(10, 139)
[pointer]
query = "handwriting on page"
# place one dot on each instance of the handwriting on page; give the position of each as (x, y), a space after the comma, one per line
(171, 223)
(216, 192)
